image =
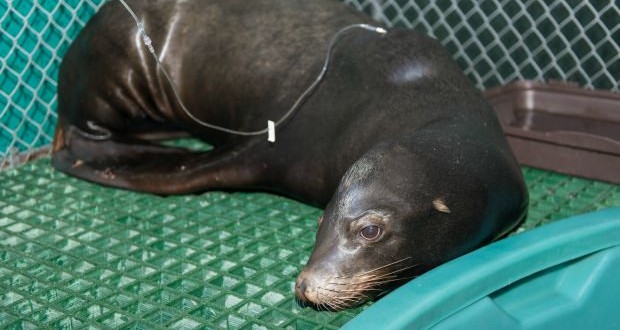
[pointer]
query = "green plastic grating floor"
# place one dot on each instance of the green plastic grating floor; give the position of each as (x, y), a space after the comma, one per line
(74, 255)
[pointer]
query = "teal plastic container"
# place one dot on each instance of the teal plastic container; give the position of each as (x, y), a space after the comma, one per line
(564, 275)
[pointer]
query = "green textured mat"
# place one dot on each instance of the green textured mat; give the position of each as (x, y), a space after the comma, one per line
(75, 255)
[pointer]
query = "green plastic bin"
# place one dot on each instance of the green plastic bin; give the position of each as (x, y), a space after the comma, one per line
(564, 275)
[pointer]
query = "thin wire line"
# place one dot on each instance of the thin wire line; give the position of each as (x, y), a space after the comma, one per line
(302, 98)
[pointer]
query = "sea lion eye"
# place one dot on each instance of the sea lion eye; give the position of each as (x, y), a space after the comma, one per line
(370, 232)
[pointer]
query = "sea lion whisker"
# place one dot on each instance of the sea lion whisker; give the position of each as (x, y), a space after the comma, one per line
(335, 305)
(364, 280)
(354, 296)
(325, 302)
(300, 302)
(340, 301)
(375, 269)
(359, 282)
(328, 304)
(400, 270)
(382, 279)
(373, 278)
(368, 278)
(345, 290)
(371, 284)
(361, 279)
(344, 304)
(394, 280)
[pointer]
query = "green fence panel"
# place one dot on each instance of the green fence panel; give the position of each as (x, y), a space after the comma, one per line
(35, 35)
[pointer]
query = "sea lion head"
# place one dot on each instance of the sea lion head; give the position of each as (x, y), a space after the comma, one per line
(399, 211)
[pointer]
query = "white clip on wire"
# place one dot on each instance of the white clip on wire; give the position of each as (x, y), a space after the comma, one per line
(271, 128)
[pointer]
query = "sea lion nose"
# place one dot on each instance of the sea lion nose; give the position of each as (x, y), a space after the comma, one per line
(300, 289)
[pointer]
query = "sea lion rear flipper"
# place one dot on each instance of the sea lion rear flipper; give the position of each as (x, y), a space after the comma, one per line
(149, 167)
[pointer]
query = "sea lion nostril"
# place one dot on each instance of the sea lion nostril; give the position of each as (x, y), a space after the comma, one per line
(300, 289)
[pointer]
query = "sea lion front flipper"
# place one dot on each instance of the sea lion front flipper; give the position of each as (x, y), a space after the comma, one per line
(146, 166)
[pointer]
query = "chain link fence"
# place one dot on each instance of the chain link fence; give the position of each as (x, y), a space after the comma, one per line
(494, 41)
(499, 41)
(35, 35)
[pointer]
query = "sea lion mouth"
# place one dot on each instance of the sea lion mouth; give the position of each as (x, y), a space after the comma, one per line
(335, 293)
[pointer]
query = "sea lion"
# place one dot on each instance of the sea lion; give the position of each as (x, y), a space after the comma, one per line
(407, 158)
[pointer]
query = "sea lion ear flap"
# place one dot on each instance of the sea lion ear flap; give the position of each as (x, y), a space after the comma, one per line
(440, 205)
